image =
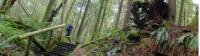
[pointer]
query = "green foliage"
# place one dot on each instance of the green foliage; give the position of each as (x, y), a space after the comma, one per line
(122, 35)
(193, 44)
(33, 22)
(183, 38)
(189, 9)
(21, 24)
(9, 29)
(162, 35)
(189, 40)
(135, 31)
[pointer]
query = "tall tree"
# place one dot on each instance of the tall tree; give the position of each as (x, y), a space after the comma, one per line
(103, 17)
(180, 13)
(54, 12)
(128, 13)
(70, 9)
(48, 10)
(172, 14)
(172, 10)
(78, 19)
(98, 20)
(63, 20)
(118, 14)
(7, 4)
(80, 30)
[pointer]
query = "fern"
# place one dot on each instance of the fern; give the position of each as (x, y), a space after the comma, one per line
(193, 44)
(9, 30)
(183, 37)
(162, 35)
(189, 40)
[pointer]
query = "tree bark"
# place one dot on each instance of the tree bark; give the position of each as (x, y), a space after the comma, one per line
(83, 20)
(104, 13)
(77, 22)
(28, 47)
(7, 4)
(172, 10)
(128, 14)
(63, 21)
(181, 12)
(184, 17)
(118, 14)
(4, 5)
(70, 9)
(48, 10)
(98, 20)
(52, 15)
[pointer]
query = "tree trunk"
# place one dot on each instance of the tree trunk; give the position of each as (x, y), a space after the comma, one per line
(180, 13)
(97, 20)
(77, 22)
(172, 10)
(28, 47)
(63, 21)
(7, 4)
(48, 10)
(83, 20)
(4, 5)
(104, 13)
(53, 14)
(70, 9)
(184, 17)
(128, 14)
(118, 14)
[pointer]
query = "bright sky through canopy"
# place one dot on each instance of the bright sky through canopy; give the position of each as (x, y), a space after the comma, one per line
(196, 1)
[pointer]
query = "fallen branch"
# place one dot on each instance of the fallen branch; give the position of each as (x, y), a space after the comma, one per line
(39, 31)
(24, 36)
